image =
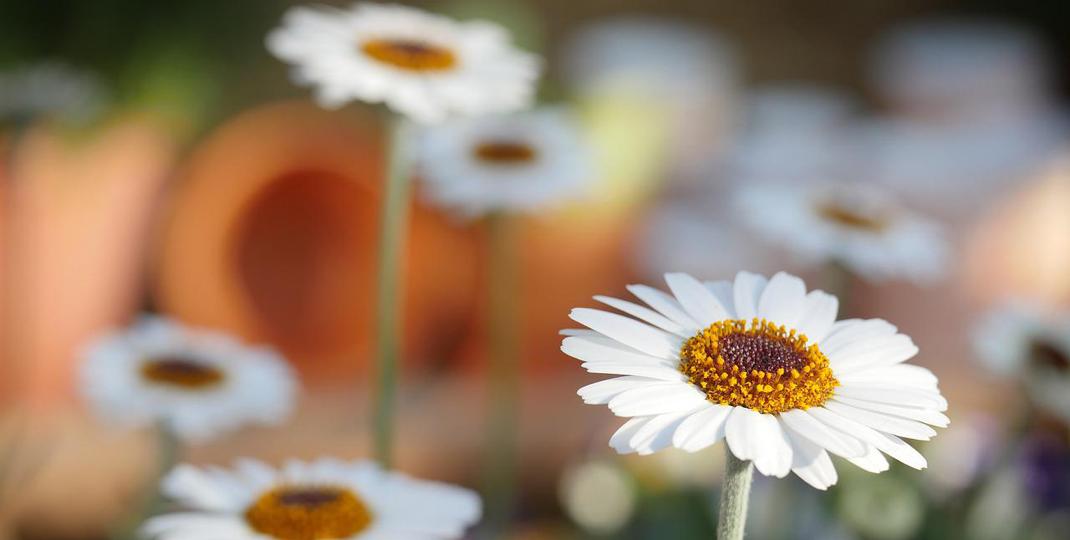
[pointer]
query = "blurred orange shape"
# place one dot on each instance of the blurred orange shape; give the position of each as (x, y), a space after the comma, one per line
(77, 210)
(272, 234)
(1022, 249)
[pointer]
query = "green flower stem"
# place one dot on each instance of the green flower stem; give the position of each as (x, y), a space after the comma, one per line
(393, 229)
(153, 501)
(504, 379)
(734, 496)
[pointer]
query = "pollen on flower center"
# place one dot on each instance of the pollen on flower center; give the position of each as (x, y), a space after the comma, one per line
(757, 365)
(308, 513)
(848, 217)
(178, 371)
(410, 54)
(504, 152)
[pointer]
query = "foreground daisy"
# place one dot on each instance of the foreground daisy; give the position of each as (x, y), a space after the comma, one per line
(196, 383)
(1026, 343)
(858, 226)
(323, 499)
(424, 66)
(513, 163)
(764, 365)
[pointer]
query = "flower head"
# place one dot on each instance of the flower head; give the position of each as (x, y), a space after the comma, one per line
(325, 498)
(518, 162)
(198, 383)
(861, 227)
(1024, 342)
(763, 364)
(424, 66)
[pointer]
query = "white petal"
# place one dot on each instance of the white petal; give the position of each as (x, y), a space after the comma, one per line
(746, 290)
(660, 373)
(646, 314)
(899, 374)
(810, 462)
(758, 437)
(619, 440)
(722, 290)
(602, 349)
(927, 416)
(696, 299)
(882, 422)
(657, 433)
(808, 427)
(702, 429)
(664, 304)
(851, 330)
(894, 395)
(889, 444)
(601, 392)
(818, 315)
(630, 332)
(657, 399)
(873, 461)
(782, 300)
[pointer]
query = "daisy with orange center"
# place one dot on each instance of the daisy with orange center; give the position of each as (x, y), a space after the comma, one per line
(195, 383)
(856, 225)
(764, 365)
(426, 67)
(317, 500)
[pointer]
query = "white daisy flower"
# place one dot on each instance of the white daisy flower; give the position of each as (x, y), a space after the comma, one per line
(859, 226)
(197, 383)
(762, 364)
(315, 500)
(521, 162)
(425, 66)
(1025, 342)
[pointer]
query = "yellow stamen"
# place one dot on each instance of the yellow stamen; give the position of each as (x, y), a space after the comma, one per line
(410, 54)
(181, 372)
(757, 365)
(308, 513)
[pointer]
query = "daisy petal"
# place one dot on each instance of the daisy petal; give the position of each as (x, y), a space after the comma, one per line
(630, 332)
(665, 304)
(810, 462)
(758, 437)
(808, 427)
(889, 444)
(696, 299)
(702, 429)
(883, 422)
(746, 290)
(782, 300)
(645, 314)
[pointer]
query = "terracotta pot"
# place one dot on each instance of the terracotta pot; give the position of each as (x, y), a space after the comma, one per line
(78, 207)
(272, 234)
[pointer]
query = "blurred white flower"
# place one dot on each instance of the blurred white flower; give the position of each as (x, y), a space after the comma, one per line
(50, 89)
(427, 67)
(599, 496)
(884, 508)
(197, 383)
(762, 364)
(860, 226)
(1031, 345)
(522, 162)
(326, 498)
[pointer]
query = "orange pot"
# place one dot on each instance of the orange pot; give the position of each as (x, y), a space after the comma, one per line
(272, 234)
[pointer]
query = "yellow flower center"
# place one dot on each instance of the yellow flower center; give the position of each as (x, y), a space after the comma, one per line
(848, 217)
(757, 365)
(308, 513)
(182, 372)
(504, 152)
(410, 54)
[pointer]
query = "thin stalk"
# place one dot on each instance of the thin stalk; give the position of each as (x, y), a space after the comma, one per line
(393, 228)
(153, 500)
(734, 496)
(504, 376)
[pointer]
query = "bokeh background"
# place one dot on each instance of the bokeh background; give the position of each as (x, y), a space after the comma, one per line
(155, 158)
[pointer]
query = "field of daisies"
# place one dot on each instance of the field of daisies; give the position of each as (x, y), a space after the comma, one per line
(525, 270)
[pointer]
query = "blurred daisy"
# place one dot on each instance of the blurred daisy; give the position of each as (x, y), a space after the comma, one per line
(1022, 341)
(762, 364)
(49, 88)
(424, 66)
(859, 226)
(521, 162)
(197, 383)
(315, 500)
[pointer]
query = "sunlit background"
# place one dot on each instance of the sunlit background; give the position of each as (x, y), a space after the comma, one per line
(154, 158)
